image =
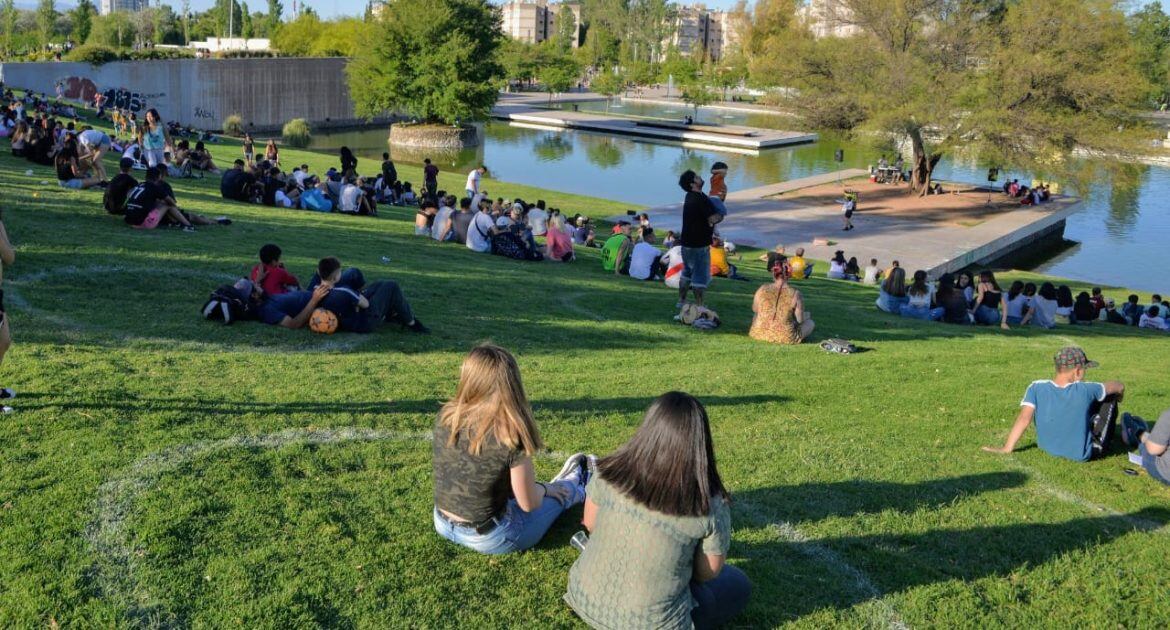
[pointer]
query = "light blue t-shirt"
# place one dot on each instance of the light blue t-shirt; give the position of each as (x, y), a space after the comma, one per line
(1062, 417)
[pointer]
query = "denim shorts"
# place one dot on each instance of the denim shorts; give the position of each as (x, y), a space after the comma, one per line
(75, 183)
(1150, 463)
(696, 267)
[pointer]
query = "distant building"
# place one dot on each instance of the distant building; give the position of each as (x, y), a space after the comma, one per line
(732, 26)
(219, 44)
(106, 7)
(697, 30)
(534, 21)
(828, 18)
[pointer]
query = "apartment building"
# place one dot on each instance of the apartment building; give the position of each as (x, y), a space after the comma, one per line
(534, 21)
(106, 7)
(828, 18)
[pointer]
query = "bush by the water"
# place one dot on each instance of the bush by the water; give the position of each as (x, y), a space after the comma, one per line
(296, 133)
(233, 125)
(93, 54)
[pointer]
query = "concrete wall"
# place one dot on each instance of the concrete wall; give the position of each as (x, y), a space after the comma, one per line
(202, 92)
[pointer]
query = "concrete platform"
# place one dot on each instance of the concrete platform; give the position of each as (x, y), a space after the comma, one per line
(937, 233)
(521, 111)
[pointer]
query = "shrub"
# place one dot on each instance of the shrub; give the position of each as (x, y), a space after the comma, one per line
(233, 125)
(296, 133)
(159, 53)
(93, 54)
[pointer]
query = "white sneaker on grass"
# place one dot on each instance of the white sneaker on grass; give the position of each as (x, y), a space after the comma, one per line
(6, 393)
(572, 470)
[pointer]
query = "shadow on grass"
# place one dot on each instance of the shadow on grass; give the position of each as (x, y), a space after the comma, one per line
(796, 577)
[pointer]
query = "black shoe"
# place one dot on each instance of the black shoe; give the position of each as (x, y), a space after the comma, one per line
(417, 327)
(1132, 428)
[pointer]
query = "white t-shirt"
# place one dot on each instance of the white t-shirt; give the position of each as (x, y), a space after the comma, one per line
(538, 221)
(504, 221)
(92, 138)
(1156, 323)
(1017, 306)
(642, 259)
(283, 200)
(836, 270)
(441, 218)
(871, 274)
(300, 176)
(473, 180)
(479, 233)
(349, 198)
(673, 261)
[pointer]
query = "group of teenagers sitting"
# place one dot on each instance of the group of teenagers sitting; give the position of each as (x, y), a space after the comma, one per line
(656, 513)
(966, 299)
(275, 297)
(1028, 196)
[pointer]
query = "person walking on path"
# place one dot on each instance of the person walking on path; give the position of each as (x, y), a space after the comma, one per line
(699, 219)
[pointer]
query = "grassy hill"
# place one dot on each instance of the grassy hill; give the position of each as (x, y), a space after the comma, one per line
(164, 470)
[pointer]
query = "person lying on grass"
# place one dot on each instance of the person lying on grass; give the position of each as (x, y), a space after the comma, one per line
(1074, 419)
(487, 497)
(294, 308)
(1153, 446)
(361, 308)
(659, 519)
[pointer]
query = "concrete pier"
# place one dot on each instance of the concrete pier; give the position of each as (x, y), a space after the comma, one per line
(937, 233)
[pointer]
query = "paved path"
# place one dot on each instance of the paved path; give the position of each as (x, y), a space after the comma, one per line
(936, 246)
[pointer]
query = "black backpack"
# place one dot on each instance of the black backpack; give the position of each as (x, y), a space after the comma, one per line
(228, 304)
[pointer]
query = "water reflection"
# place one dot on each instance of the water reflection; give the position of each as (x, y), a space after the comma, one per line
(553, 146)
(603, 154)
(1124, 198)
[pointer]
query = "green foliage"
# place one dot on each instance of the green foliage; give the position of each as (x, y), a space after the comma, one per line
(565, 37)
(296, 38)
(158, 53)
(115, 30)
(296, 133)
(680, 68)
(46, 20)
(1150, 28)
(246, 29)
(82, 18)
(519, 60)
(608, 84)
(558, 72)
(342, 38)
(434, 59)
(93, 54)
(8, 18)
(696, 95)
(273, 18)
(233, 125)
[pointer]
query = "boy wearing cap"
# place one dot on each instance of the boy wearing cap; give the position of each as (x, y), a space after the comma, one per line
(1074, 418)
(115, 196)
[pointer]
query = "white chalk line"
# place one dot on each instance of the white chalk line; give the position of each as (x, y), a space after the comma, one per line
(876, 609)
(351, 342)
(1048, 487)
(108, 533)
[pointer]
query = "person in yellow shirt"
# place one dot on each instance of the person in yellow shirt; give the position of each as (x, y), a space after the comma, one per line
(719, 264)
(799, 268)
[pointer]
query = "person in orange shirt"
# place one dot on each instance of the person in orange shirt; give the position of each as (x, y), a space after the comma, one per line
(718, 189)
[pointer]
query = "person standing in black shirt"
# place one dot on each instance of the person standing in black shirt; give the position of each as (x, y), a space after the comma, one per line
(699, 219)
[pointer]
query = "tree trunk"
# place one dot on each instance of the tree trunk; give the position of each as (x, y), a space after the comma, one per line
(923, 164)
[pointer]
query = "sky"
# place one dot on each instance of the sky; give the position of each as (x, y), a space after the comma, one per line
(332, 8)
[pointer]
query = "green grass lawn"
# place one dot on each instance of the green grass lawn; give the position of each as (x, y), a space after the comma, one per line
(161, 470)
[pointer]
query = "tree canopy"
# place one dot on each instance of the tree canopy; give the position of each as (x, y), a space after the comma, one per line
(434, 59)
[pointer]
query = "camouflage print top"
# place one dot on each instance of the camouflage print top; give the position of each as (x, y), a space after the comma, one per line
(472, 487)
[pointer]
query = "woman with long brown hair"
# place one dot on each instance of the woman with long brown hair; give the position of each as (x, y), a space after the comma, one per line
(660, 529)
(487, 497)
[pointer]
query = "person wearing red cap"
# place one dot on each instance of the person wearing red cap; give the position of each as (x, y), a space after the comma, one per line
(1074, 418)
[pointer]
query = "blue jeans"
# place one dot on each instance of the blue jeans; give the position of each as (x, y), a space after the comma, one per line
(1013, 320)
(922, 312)
(516, 530)
(720, 207)
(1150, 463)
(696, 267)
(891, 304)
(986, 315)
(721, 599)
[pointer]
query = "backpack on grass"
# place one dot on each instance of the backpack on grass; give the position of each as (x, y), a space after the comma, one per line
(228, 304)
(838, 346)
(700, 317)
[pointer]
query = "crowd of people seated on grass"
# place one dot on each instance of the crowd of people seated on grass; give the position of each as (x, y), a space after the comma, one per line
(965, 299)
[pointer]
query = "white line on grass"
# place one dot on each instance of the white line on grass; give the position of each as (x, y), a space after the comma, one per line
(17, 300)
(876, 610)
(109, 532)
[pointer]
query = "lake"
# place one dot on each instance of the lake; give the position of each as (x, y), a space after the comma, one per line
(1121, 232)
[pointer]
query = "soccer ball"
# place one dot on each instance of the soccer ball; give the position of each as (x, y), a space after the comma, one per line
(323, 321)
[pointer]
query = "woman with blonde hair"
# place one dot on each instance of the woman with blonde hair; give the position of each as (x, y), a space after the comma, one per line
(487, 497)
(779, 309)
(558, 240)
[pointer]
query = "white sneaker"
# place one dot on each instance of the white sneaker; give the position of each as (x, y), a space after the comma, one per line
(6, 393)
(590, 467)
(572, 470)
(6, 409)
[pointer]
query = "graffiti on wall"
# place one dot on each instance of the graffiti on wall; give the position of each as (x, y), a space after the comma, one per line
(204, 114)
(84, 89)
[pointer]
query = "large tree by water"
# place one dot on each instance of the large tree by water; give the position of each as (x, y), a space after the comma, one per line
(434, 59)
(1019, 84)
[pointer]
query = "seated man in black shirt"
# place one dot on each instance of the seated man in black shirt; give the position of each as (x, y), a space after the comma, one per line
(115, 197)
(237, 183)
(362, 311)
(167, 196)
(146, 208)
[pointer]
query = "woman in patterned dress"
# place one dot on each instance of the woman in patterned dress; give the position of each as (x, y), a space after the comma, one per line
(779, 309)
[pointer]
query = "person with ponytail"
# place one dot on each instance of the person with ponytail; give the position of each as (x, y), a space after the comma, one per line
(779, 309)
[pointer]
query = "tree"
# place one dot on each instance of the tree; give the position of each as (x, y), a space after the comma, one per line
(296, 37)
(82, 18)
(273, 19)
(46, 20)
(342, 38)
(609, 85)
(1022, 83)
(518, 60)
(186, 22)
(8, 16)
(228, 18)
(246, 29)
(696, 94)
(566, 33)
(434, 59)
(558, 73)
(115, 30)
(1151, 39)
